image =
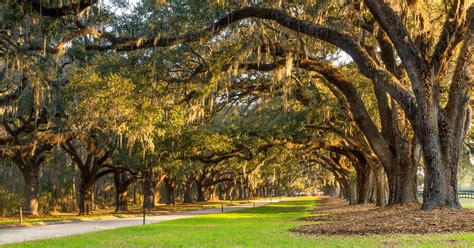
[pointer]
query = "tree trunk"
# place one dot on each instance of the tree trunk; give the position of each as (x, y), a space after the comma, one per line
(353, 195)
(364, 183)
(30, 172)
(381, 198)
(85, 198)
(346, 192)
(402, 184)
(334, 191)
(200, 192)
(337, 189)
(240, 193)
(220, 192)
(121, 182)
(54, 195)
(401, 162)
(241, 190)
(213, 192)
(442, 132)
(169, 188)
(121, 201)
(31, 193)
(148, 187)
(402, 176)
(229, 193)
(188, 197)
(440, 184)
(135, 198)
(331, 189)
(74, 200)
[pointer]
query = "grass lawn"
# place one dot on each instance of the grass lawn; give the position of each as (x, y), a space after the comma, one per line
(264, 226)
(467, 203)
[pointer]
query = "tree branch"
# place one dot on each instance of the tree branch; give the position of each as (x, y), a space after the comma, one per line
(396, 30)
(451, 35)
(56, 12)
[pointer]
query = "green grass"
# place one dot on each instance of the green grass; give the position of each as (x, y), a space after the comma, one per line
(467, 203)
(33, 220)
(260, 227)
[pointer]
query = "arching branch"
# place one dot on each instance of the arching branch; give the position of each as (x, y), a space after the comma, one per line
(450, 37)
(400, 37)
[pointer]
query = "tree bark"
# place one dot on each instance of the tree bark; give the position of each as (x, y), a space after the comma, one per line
(30, 172)
(212, 192)
(364, 183)
(135, 198)
(148, 187)
(85, 198)
(382, 187)
(442, 146)
(31, 193)
(169, 189)
(187, 196)
(121, 183)
(74, 200)
(353, 191)
(121, 201)
(200, 192)
(402, 183)
(405, 149)
(345, 190)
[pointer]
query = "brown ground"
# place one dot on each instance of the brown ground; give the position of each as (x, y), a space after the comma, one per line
(341, 219)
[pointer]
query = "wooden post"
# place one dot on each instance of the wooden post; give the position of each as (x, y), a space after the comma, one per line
(144, 215)
(270, 199)
(144, 208)
(254, 205)
(21, 215)
(222, 207)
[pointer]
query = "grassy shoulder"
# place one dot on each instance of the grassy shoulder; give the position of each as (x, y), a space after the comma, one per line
(263, 226)
(467, 203)
(108, 214)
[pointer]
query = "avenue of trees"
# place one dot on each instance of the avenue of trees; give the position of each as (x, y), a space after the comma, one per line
(111, 103)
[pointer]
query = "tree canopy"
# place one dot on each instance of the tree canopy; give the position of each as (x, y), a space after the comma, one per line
(224, 99)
